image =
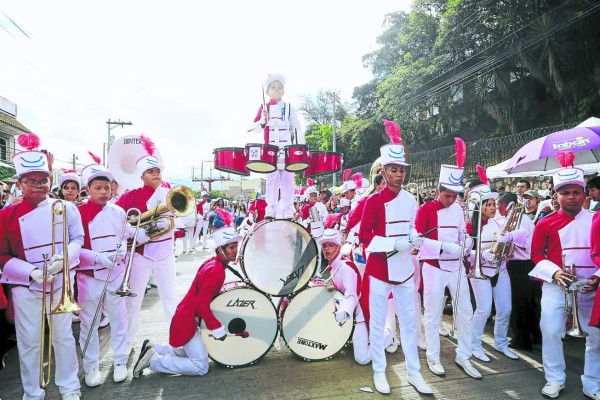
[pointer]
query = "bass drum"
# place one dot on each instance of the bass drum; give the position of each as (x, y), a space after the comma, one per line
(308, 325)
(279, 257)
(250, 319)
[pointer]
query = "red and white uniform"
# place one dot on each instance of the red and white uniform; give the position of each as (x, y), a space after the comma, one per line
(154, 258)
(103, 228)
(314, 227)
(556, 236)
(26, 237)
(389, 216)
(595, 248)
(186, 353)
(202, 210)
(281, 129)
(441, 270)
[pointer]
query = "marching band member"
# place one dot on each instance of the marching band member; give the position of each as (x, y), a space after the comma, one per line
(595, 248)
(281, 128)
(442, 257)
(314, 227)
(388, 225)
(351, 183)
(103, 223)
(156, 256)
(496, 287)
(202, 211)
(189, 223)
(186, 353)
(114, 190)
(559, 240)
(69, 186)
(26, 240)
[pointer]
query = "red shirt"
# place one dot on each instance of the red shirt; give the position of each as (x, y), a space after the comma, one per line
(595, 239)
(356, 213)
(88, 212)
(260, 205)
(545, 244)
(11, 243)
(136, 198)
(199, 209)
(258, 117)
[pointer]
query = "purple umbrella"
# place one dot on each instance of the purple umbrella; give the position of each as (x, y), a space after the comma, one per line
(539, 155)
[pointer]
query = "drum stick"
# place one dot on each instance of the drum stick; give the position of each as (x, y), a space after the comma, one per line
(393, 253)
(243, 335)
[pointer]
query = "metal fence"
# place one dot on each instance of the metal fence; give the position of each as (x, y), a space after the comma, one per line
(425, 165)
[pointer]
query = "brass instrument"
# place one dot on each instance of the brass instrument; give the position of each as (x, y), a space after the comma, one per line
(476, 271)
(454, 327)
(504, 250)
(66, 304)
(180, 201)
(573, 308)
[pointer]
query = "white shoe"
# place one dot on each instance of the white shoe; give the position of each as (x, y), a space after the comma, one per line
(436, 367)
(468, 368)
(552, 390)
(419, 383)
(143, 362)
(393, 346)
(381, 383)
(444, 332)
(481, 356)
(93, 378)
(104, 321)
(192, 251)
(72, 396)
(595, 396)
(508, 353)
(120, 373)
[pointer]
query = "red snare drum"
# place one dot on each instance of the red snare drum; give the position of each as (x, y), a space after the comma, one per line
(261, 158)
(296, 157)
(323, 162)
(231, 159)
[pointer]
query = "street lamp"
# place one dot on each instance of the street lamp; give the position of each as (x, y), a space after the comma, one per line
(111, 138)
(333, 128)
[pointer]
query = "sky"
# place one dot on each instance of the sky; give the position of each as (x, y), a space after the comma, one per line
(187, 74)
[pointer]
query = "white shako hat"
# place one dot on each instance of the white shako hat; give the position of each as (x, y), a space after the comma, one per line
(568, 175)
(451, 176)
(272, 78)
(30, 159)
(69, 175)
(148, 161)
(331, 236)
(483, 190)
(344, 202)
(393, 152)
(225, 235)
(95, 170)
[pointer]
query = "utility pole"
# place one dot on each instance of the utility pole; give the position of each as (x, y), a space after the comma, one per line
(333, 131)
(75, 162)
(111, 138)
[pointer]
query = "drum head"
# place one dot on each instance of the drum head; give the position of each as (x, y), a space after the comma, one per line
(279, 257)
(308, 325)
(261, 167)
(250, 319)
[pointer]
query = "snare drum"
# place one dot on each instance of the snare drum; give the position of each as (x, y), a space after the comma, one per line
(261, 158)
(231, 159)
(250, 319)
(308, 324)
(279, 257)
(296, 157)
(323, 162)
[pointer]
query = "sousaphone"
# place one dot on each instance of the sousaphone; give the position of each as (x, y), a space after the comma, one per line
(122, 159)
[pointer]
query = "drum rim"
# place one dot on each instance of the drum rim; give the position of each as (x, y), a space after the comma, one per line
(243, 264)
(296, 163)
(231, 171)
(291, 297)
(327, 152)
(273, 165)
(261, 145)
(227, 148)
(249, 287)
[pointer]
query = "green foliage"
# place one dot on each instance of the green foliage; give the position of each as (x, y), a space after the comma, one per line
(214, 194)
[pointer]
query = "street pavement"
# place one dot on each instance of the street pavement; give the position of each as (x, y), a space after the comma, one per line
(282, 375)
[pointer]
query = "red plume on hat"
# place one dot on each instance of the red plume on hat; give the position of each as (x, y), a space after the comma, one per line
(346, 174)
(310, 182)
(332, 219)
(302, 190)
(357, 178)
(69, 171)
(565, 158)
(96, 159)
(461, 152)
(393, 131)
(28, 141)
(148, 144)
(482, 175)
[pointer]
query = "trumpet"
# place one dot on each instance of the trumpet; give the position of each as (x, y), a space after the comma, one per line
(573, 308)
(504, 250)
(66, 304)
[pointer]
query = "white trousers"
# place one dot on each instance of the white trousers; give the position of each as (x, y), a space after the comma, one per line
(378, 304)
(280, 180)
(435, 282)
(201, 226)
(553, 323)
(28, 324)
(90, 290)
(164, 275)
(484, 294)
(188, 239)
(190, 359)
(418, 307)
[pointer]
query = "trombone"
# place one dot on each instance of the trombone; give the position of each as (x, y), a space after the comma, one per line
(66, 304)
(476, 272)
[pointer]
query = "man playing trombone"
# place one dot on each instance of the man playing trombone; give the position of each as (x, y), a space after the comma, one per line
(26, 245)
(560, 249)
(102, 255)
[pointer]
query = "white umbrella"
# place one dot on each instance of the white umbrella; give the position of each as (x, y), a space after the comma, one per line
(497, 171)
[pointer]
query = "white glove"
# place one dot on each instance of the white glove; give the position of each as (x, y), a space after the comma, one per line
(103, 260)
(120, 256)
(488, 256)
(341, 316)
(162, 223)
(37, 275)
(402, 245)
(417, 241)
(469, 243)
(142, 237)
(506, 238)
(219, 333)
(56, 264)
(452, 248)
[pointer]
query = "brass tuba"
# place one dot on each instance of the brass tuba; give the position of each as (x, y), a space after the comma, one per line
(504, 250)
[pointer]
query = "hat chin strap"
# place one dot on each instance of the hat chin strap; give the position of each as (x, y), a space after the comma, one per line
(337, 253)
